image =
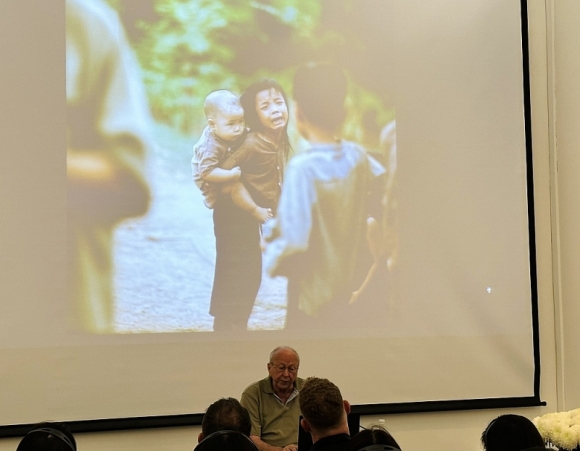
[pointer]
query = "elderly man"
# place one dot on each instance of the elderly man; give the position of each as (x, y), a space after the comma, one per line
(325, 415)
(273, 403)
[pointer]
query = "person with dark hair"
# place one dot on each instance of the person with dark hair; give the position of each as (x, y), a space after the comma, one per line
(324, 415)
(511, 433)
(273, 403)
(225, 414)
(318, 238)
(226, 441)
(374, 439)
(48, 436)
(261, 158)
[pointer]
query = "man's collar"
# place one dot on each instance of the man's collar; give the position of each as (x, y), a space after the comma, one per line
(271, 386)
(267, 387)
(270, 390)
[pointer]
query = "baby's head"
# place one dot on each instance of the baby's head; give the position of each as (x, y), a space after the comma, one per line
(225, 115)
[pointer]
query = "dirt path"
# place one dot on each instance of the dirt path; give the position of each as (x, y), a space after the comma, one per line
(165, 260)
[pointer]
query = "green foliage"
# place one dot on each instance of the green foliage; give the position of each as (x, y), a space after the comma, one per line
(197, 46)
(187, 48)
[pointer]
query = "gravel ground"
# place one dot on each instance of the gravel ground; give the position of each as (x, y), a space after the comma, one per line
(165, 260)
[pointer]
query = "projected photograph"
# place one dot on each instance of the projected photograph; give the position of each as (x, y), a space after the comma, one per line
(191, 197)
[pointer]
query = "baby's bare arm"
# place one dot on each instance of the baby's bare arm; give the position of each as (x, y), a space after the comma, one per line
(219, 175)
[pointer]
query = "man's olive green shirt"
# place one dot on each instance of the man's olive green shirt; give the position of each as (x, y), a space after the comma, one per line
(274, 422)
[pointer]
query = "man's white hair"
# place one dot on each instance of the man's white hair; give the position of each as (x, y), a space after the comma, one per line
(283, 348)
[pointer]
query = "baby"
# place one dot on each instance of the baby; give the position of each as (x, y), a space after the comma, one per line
(224, 133)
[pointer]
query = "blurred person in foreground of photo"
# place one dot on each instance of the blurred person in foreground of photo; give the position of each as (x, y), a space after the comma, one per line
(107, 136)
(318, 239)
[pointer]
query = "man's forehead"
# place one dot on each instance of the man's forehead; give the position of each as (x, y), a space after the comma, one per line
(268, 94)
(232, 112)
(286, 355)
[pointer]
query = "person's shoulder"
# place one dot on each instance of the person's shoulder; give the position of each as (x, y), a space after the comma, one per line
(211, 142)
(351, 146)
(299, 383)
(265, 385)
(357, 149)
(311, 160)
(258, 386)
(304, 160)
(203, 137)
(251, 140)
(253, 386)
(208, 144)
(364, 156)
(240, 140)
(201, 145)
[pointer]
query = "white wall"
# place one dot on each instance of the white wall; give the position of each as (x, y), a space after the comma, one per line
(555, 83)
(567, 180)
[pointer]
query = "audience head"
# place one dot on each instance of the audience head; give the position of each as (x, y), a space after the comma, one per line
(225, 414)
(320, 93)
(323, 408)
(511, 433)
(226, 440)
(48, 436)
(374, 439)
(283, 368)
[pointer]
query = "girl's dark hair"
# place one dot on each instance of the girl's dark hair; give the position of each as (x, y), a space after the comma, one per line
(373, 436)
(510, 433)
(248, 101)
(48, 436)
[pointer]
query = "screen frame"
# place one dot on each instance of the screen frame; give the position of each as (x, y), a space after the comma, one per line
(146, 422)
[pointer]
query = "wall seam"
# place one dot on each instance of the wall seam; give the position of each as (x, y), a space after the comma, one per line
(554, 204)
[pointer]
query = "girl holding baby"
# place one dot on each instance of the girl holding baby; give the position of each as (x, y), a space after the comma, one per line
(261, 158)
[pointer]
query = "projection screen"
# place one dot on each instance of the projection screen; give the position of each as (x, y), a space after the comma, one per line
(109, 251)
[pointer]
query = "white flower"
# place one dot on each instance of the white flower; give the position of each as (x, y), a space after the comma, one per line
(567, 440)
(560, 428)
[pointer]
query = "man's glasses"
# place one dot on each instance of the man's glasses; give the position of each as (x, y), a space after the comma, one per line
(282, 368)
